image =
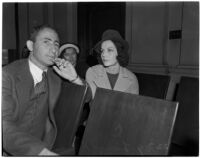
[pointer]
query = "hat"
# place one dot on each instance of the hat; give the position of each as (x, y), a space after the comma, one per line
(114, 36)
(63, 47)
(121, 45)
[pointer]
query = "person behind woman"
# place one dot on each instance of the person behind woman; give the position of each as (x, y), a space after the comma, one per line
(111, 73)
(69, 52)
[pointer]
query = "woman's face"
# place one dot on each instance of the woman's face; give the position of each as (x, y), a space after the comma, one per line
(108, 53)
(70, 55)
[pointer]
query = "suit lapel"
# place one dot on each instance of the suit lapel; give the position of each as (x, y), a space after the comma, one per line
(24, 82)
(24, 85)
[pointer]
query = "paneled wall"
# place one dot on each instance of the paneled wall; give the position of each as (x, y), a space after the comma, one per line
(147, 30)
(61, 16)
(148, 26)
(9, 32)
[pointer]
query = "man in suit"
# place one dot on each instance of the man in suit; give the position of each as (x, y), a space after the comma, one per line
(30, 89)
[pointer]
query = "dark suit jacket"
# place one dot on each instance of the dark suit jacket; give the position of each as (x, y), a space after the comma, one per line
(17, 82)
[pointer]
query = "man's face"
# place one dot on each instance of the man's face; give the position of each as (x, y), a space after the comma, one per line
(46, 47)
(70, 55)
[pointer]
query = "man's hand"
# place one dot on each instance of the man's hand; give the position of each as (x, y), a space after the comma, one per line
(65, 69)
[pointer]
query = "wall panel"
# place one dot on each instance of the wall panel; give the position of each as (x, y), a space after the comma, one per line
(35, 15)
(148, 33)
(65, 21)
(9, 31)
(61, 16)
(148, 26)
(190, 41)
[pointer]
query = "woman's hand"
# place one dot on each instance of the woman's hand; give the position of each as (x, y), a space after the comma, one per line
(65, 69)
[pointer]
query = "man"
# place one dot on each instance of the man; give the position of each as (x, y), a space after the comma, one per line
(28, 97)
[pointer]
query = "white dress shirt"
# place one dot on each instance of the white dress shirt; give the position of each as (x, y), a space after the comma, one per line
(36, 72)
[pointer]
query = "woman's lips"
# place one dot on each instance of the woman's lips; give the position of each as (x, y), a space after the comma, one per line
(105, 60)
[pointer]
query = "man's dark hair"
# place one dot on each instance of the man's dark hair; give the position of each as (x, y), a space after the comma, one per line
(37, 29)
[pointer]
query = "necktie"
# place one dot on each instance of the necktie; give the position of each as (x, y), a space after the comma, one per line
(41, 87)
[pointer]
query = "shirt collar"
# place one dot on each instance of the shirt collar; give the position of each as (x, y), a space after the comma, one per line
(36, 72)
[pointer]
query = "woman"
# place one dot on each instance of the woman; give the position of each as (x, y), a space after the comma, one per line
(111, 72)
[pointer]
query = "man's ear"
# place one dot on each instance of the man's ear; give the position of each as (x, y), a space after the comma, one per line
(29, 45)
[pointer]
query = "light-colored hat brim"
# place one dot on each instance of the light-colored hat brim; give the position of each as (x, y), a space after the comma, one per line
(63, 47)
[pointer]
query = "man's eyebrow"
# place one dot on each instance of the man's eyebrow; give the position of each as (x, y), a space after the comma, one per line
(49, 39)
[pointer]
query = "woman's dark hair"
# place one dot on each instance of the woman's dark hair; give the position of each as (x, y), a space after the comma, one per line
(122, 58)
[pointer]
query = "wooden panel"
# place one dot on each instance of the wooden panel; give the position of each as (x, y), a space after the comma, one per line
(67, 115)
(127, 124)
(190, 34)
(148, 32)
(9, 31)
(174, 23)
(65, 21)
(23, 25)
(153, 85)
(35, 15)
(186, 129)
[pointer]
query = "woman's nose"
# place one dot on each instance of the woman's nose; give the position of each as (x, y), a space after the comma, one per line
(103, 53)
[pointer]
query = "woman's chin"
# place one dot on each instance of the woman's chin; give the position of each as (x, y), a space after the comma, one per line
(106, 64)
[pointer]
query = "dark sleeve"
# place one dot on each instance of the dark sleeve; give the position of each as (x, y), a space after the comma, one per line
(16, 141)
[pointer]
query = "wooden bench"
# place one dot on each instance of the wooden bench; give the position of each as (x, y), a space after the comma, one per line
(127, 124)
(153, 85)
(67, 114)
(185, 140)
